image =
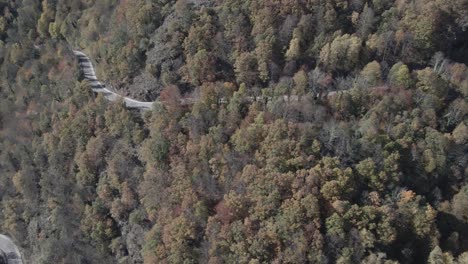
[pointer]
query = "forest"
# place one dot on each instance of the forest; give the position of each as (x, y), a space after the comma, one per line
(369, 165)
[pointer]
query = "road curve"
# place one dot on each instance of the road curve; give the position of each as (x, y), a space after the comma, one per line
(87, 68)
(9, 252)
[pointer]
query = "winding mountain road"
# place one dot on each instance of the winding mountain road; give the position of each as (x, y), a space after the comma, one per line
(87, 68)
(9, 252)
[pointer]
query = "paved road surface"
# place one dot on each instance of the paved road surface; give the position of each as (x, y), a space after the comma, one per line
(98, 87)
(87, 68)
(9, 252)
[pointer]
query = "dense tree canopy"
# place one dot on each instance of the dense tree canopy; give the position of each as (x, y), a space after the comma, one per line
(364, 162)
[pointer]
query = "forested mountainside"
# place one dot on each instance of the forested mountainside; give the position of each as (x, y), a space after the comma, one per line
(376, 173)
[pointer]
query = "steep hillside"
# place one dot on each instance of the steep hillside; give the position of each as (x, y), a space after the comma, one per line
(375, 174)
